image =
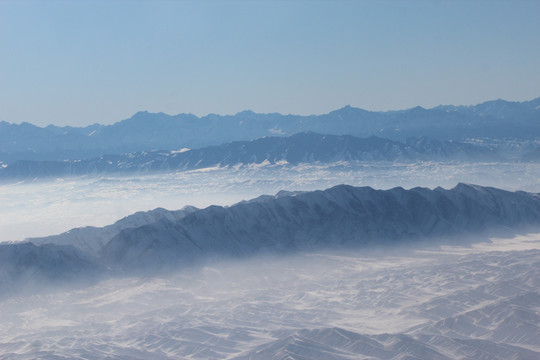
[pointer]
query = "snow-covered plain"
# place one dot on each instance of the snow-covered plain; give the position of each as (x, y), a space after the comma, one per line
(33, 209)
(455, 302)
(452, 302)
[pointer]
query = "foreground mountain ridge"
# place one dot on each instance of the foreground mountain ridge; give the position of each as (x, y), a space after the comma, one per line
(337, 218)
(145, 131)
(296, 149)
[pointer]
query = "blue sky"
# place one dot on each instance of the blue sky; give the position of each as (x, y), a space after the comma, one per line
(80, 62)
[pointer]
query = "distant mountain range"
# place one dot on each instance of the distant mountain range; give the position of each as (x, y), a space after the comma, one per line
(145, 131)
(296, 149)
(337, 218)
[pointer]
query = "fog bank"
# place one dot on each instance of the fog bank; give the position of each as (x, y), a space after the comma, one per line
(46, 208)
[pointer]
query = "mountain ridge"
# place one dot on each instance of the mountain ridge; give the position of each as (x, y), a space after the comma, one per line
(146, 131)
(299, 148)
(341, 217)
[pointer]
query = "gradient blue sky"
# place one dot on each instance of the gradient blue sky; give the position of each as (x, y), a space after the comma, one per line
(80, 62)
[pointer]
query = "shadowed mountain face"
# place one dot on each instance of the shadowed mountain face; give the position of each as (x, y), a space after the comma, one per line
(145, 131)
(337, 218)
(25, 265)
(296, 149)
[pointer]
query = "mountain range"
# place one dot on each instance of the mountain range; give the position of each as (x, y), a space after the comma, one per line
(295, 149)
(337, 218)
(145, 131)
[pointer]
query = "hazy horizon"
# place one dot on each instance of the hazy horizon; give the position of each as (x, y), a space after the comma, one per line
(85, 62)
(275, 112)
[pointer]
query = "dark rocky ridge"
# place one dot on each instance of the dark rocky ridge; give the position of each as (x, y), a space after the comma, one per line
(337, 218)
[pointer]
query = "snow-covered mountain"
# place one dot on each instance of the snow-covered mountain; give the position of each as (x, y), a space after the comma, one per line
(336, 218)
(146, 131)
(299, 148)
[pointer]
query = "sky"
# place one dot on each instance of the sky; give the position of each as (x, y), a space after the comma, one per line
(81, 62)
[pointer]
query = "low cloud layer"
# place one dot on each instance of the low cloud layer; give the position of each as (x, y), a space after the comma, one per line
(46, 208)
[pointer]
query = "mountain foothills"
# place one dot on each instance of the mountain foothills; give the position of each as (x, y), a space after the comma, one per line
(341, 217)
(458, 302)
(296, 149)
(492, 120)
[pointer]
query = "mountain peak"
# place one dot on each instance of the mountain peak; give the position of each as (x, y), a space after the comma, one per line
(245, 113)
(417, 109)
(349, 110)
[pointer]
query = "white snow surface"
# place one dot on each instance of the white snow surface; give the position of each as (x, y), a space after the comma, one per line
(454, 302)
